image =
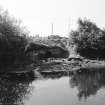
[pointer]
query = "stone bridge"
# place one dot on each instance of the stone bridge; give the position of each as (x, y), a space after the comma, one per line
(43, 52)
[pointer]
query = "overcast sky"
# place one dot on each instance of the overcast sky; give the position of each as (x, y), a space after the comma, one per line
(38, 15)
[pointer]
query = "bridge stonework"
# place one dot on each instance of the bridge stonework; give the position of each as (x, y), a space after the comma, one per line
(72, 48)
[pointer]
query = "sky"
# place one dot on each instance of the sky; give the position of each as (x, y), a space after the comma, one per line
(39, 15)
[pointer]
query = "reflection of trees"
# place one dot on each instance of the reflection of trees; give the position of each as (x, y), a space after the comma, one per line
(88, 83)
(54, 75)
(15, 88)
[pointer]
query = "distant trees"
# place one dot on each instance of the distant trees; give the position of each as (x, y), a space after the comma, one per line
(90, 39)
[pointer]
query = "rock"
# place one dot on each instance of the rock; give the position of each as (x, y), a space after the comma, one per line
(78, 58)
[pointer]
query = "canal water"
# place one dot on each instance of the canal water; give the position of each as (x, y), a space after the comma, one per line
(61, 88)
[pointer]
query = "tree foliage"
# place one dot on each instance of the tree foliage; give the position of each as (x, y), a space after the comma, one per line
(12, 40)
(90, 39)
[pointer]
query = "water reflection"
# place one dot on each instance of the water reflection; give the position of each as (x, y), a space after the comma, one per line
(88, 83)
(54, 75)
(14, 88)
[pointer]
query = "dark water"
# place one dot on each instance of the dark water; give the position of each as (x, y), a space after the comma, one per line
(62, 88)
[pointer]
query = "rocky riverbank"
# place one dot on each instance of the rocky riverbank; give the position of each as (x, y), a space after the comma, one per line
(74, 65)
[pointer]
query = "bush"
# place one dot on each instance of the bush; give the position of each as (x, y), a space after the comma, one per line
(90, 39)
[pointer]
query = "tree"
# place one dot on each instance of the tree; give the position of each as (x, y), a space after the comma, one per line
(12, 40)
(90, 39)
